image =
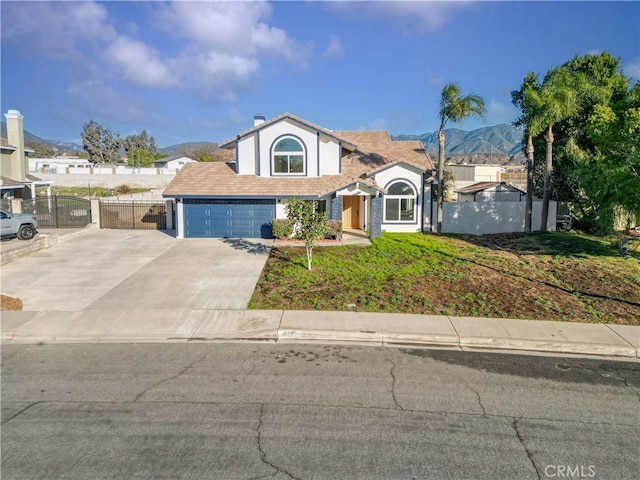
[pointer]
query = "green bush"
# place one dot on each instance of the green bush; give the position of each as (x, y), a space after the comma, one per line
(281, 228)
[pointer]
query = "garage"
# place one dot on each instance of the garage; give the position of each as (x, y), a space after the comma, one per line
(223, 218)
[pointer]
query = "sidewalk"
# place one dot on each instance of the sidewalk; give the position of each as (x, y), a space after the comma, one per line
(353, 328)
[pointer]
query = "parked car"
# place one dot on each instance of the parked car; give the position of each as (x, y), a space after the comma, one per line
(21, 225)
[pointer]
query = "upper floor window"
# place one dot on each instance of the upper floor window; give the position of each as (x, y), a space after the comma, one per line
(400, 203)
(288, 157)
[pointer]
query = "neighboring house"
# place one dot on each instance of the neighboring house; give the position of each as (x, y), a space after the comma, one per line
(468, 174)
(490, 192)
(175, 162)
(16, 182)
(57, 164)
(362, 178)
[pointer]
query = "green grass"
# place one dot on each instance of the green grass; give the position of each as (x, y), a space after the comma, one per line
(559, 276)
(95, 191)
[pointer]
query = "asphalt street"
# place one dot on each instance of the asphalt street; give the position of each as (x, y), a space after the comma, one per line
(313, 412)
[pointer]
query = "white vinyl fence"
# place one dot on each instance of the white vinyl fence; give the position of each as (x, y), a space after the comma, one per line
(480, 218)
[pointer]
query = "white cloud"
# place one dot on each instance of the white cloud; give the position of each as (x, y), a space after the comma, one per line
(139, 64)
(632, 68)
(413, 16)
(334, 49)
(57, 29)
(100, 101)
(497, 113)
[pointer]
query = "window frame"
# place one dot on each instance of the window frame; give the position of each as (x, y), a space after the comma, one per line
(288, 154)
(398, 200)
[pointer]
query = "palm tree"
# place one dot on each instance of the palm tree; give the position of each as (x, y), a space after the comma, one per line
(521, 98)
(554, 101)
(457, 109)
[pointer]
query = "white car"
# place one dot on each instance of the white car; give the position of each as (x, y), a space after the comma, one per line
(21, 225)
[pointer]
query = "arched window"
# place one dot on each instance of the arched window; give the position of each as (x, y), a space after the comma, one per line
(400, 203)
(288, 157)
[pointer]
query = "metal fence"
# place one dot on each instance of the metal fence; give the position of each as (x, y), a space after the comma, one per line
(59, 211)
(6, 205)
(134, 214)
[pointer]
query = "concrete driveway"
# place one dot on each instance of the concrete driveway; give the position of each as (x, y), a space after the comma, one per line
(129, 269)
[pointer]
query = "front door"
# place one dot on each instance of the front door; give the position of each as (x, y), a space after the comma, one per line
(351, 211)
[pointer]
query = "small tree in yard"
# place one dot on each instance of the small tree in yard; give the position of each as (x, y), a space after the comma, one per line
(310, 224)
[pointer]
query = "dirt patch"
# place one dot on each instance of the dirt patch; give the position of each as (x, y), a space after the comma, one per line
(8, 303)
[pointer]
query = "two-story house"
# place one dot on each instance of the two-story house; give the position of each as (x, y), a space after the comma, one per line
(362, 178)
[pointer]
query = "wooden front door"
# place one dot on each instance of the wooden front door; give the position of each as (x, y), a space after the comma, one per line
(351, 211)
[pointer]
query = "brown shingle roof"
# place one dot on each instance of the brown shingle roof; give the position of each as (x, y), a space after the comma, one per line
(376, 150)
(220, 179)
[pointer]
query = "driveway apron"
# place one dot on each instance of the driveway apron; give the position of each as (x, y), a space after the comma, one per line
(195, 274)
(120, 269)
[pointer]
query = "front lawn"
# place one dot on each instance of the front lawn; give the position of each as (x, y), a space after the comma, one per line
(555, 276)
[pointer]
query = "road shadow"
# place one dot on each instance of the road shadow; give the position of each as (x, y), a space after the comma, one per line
(559, 369)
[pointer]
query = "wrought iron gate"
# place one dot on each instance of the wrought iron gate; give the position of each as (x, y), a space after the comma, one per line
(134, 214)
(59, 211)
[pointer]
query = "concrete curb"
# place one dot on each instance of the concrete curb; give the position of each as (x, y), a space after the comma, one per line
(313, 327)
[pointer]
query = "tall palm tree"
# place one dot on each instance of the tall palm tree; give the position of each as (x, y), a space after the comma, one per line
(522, 99)
(456, 109)
(554, 101)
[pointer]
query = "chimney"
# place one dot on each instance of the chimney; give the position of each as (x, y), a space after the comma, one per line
(18, 168)
(258, 119)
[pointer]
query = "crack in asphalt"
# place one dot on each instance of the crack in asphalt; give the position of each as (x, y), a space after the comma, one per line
(514, 424)
(393, 386)
(263, 454)
(168, 379)
(484, 411)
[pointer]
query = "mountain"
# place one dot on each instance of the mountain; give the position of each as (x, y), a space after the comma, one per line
(30, 138)
(188, 147)
(497, 144)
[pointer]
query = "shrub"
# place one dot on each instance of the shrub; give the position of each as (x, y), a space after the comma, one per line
(281, 228)
(335, 229)
(122, 189)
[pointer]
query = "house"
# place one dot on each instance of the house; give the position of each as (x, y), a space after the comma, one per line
(363, 178)
(57, 164)
(490, 192)
(175, 162)
(15, 180)
(464, 175)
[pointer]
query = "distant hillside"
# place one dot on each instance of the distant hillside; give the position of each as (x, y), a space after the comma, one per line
(188, 147)
(500, 144)
(30, 138)
(497, 144)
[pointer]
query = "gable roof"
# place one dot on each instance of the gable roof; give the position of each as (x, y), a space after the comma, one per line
(220, 179)
(230, 142)
(376, 150)
(482, 186)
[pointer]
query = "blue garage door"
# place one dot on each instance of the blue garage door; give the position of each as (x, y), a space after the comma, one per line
(205, 218)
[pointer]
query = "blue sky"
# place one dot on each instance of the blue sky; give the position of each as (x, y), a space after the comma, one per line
(199, 71)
